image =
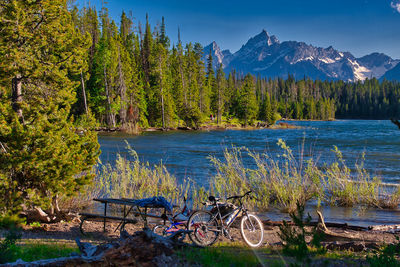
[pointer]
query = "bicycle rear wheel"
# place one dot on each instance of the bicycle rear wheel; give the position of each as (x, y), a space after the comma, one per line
(252, 230)
(204, 228)
(160, 230)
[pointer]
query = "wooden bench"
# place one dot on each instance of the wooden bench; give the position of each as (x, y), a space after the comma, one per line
(104, 218)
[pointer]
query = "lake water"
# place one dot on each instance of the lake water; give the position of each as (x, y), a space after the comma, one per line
(186, 154)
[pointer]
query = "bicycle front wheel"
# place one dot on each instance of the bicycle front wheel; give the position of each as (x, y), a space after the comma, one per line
(252, 230)
(203, 227)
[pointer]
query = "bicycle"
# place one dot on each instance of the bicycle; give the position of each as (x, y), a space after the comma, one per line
(176, 223)
(204, 227)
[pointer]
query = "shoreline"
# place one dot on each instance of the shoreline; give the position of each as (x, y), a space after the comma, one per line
(280, 125)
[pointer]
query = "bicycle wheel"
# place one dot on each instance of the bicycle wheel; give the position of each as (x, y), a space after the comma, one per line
(204, 228)
(160, 230)
(252, 230)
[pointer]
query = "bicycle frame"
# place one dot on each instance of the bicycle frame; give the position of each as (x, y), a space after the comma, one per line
(172, 221)
(221, 219)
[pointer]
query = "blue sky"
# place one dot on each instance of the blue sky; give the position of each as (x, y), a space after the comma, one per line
(358, 26)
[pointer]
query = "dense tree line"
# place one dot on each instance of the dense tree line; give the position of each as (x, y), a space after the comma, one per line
(136, 78)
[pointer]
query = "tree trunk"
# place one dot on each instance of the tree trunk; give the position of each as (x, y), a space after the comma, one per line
(84, 94)
(55, 209)
(110, 117)
(162, 94)
(17, 95)
(219, 107)
(122, 92)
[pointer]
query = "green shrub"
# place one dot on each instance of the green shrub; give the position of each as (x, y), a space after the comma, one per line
(388, 256)
(8, 248)
(294, 237)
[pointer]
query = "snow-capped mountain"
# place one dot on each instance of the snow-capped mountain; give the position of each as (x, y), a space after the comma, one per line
(218, 56)
(267, 56)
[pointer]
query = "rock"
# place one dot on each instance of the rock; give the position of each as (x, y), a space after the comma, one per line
(184, 128)
(352, 246)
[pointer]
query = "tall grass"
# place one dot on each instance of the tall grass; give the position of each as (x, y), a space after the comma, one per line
(286, 180)
(346, 188)
(280, 182)
(130, 178)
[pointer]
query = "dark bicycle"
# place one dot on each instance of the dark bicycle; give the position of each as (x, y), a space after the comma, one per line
(205, 226)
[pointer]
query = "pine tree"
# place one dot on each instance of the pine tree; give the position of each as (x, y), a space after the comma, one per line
(42, 156)
(210, 81)
(219, 95)
(164, 40)
(248, 107)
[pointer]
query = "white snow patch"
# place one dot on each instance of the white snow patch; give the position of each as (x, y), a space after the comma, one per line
(327, 60)
(360, 72)
(310, 58)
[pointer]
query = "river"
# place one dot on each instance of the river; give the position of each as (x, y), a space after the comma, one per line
(186, 154)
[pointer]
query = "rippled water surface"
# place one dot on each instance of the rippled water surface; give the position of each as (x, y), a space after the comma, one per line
(186, 154)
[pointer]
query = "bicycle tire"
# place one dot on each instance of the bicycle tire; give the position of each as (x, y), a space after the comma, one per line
(252, 230)
(204, 229)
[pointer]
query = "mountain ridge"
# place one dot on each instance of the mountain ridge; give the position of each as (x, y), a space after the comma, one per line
(263, 54)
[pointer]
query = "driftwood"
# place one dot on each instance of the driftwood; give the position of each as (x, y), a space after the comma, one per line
(329, 235)
(328, 224)
(385, 228)
(38, 215)
(396, 122)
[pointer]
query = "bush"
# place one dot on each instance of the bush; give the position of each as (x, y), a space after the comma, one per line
(8, 248)
(294, 237)
(388, 256)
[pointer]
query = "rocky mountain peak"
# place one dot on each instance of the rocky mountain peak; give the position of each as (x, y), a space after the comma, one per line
(265, 55)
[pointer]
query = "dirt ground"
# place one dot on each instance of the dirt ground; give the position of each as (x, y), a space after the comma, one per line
(69, 231)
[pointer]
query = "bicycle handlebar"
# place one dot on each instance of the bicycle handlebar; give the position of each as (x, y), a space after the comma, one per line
(213, 200)
(236, 197)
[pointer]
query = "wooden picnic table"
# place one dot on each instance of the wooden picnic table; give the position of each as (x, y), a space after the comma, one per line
(129, 207)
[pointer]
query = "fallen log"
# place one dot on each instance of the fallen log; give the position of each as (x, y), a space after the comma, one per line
(328, 224)
(385, 228)
(329, 235)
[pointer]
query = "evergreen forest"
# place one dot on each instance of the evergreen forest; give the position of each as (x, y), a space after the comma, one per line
(135, 78)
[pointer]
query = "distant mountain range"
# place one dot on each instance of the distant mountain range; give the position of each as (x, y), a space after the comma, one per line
(266, 56)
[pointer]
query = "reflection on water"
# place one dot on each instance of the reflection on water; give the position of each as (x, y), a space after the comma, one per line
(185, 154)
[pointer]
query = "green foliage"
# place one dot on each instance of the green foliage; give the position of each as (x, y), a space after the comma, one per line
(247, 106)
(42, 154)
(32, 251)
(8, 248)
(294, 237)
(10, 220)
(221, 256)
(387, 256)
(35, 225)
